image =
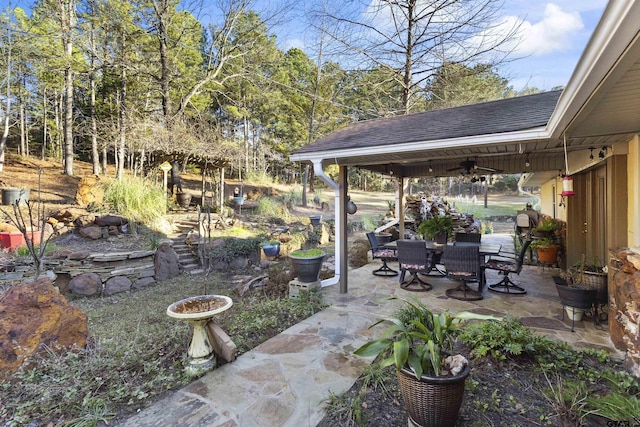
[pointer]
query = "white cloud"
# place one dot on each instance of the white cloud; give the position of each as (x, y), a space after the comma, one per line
(290, 43)
(553, 33)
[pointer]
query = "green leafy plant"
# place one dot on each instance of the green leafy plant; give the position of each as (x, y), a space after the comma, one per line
(418, 338)
(136, 200)
(234, 247)
(308, 253)
(595, 266)
(547, 225)
(500, 340)
(432, 227)
(542, 244)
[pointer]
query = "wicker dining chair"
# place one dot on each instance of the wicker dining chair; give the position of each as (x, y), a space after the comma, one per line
(506, 264)
(463, 265)
(468, 237)
(383, 254)
(414, 258)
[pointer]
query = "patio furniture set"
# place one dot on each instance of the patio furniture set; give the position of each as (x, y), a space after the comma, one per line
(464, 260)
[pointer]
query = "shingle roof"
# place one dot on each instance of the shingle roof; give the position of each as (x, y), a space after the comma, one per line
(505, 115)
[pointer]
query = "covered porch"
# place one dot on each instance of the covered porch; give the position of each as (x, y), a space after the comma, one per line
(539, 309)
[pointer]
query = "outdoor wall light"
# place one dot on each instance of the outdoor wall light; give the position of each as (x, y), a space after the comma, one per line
(527, 163)
(602, 153)
(591, 155)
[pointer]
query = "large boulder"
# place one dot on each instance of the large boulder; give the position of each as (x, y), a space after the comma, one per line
(166, 262)
(86, 284)
(90, 191)
(116, 285)
(36, 314)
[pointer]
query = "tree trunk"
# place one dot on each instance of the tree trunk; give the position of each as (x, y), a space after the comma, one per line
(44, 123)
(95, 156)
(67, 9)
(122, 117)
(7, 107)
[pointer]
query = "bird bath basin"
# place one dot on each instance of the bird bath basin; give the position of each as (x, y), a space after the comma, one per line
(199, 311)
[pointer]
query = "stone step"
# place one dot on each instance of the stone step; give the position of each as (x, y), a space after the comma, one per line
(189, 267)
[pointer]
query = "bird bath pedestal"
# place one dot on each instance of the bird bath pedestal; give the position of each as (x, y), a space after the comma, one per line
(199, 311)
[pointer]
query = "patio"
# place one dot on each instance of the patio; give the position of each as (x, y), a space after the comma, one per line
(283, 381)
(539, 308)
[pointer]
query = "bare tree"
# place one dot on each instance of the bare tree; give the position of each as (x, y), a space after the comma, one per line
(5, 111)
(67, 11)
(413, 38)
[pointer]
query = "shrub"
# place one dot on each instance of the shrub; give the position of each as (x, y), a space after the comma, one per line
(503, 339)
(136, 200)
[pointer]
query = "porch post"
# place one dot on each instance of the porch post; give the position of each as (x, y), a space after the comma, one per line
(400, 205)
(341, 211)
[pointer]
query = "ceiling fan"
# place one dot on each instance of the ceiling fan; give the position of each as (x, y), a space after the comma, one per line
(468, 166)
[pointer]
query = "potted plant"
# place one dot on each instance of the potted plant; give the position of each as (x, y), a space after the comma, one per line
(592, 275)
(271, 248)
(419, 344)
(307, 264)
(575, 298)
(546, 228)
(547, 249)
(437, 228)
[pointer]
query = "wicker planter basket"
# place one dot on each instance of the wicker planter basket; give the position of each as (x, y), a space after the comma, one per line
(593, 280)
(432, 401)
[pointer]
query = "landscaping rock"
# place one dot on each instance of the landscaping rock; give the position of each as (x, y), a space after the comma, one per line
(166, 262)
(35, 314)
(110, 220)
(90, 191)
(84, 220)
(86, 284)
(116, 285)
(92, 232)
(79, 255)
(143, 282)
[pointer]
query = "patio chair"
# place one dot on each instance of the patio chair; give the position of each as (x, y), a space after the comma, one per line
(506, 264)
(383, 254)
(463, 265)
(414, 258)
(467, 237)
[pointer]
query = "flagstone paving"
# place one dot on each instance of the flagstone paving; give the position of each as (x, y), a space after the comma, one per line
(283, 381)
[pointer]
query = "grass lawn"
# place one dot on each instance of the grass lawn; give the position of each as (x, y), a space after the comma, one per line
(136, 352)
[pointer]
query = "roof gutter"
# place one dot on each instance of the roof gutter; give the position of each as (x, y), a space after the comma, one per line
(619, 21)
(476, 140)
(317, 169)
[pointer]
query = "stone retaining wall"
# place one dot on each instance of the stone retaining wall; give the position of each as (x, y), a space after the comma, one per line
(624, 300)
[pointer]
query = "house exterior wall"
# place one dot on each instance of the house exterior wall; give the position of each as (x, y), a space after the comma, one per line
(622, 235)
(550, 200)
(633, 192)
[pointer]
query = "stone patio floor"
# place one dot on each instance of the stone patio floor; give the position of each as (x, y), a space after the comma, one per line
(283, 381)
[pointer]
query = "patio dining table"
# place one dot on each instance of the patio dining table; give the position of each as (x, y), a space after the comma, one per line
(484, 250)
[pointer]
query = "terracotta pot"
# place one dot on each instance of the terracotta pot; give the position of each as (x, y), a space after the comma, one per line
(548, 254)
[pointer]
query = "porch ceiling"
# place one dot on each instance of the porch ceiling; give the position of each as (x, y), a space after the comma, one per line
(509, 157)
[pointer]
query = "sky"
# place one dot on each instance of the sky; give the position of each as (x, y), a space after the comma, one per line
(553, 36)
